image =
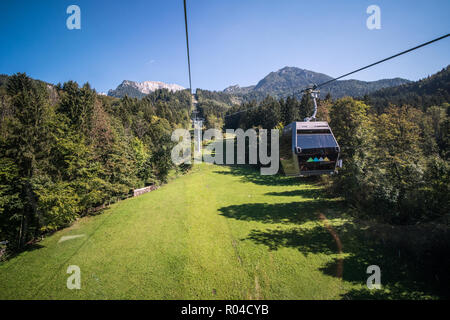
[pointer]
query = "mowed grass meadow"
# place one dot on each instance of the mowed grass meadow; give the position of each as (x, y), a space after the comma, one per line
(219, 232)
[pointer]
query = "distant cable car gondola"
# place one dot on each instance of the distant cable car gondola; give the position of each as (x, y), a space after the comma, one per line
(309, 147)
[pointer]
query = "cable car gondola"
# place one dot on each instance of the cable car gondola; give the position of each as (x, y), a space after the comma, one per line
(309, 147)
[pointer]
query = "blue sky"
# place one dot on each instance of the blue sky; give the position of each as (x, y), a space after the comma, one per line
(232, 41)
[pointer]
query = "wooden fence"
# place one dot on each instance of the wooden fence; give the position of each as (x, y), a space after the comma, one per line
(138, 192)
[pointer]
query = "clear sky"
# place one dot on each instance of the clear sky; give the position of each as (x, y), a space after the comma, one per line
(232, 41)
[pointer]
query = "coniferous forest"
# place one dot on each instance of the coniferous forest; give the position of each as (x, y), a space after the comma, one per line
(64, 151)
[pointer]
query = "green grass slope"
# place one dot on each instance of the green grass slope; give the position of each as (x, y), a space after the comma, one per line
(216, 233)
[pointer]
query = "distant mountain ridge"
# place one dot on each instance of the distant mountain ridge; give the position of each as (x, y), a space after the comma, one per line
(280, 84)
(290, 80)
(237, 89)
(140, 89)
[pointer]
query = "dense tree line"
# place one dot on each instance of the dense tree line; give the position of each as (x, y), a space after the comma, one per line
(213, 105)
(271, 112)
(218, 96)
(65, 150)
(396, 164)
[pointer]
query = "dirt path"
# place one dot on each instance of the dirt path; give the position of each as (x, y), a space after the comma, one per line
(340, 261)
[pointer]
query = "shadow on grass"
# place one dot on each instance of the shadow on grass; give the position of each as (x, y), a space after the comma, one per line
(403, 274)
(307, 193)
(26, 248)
(252, 174)
(396, 291)
(315, 240)
(291, 212)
